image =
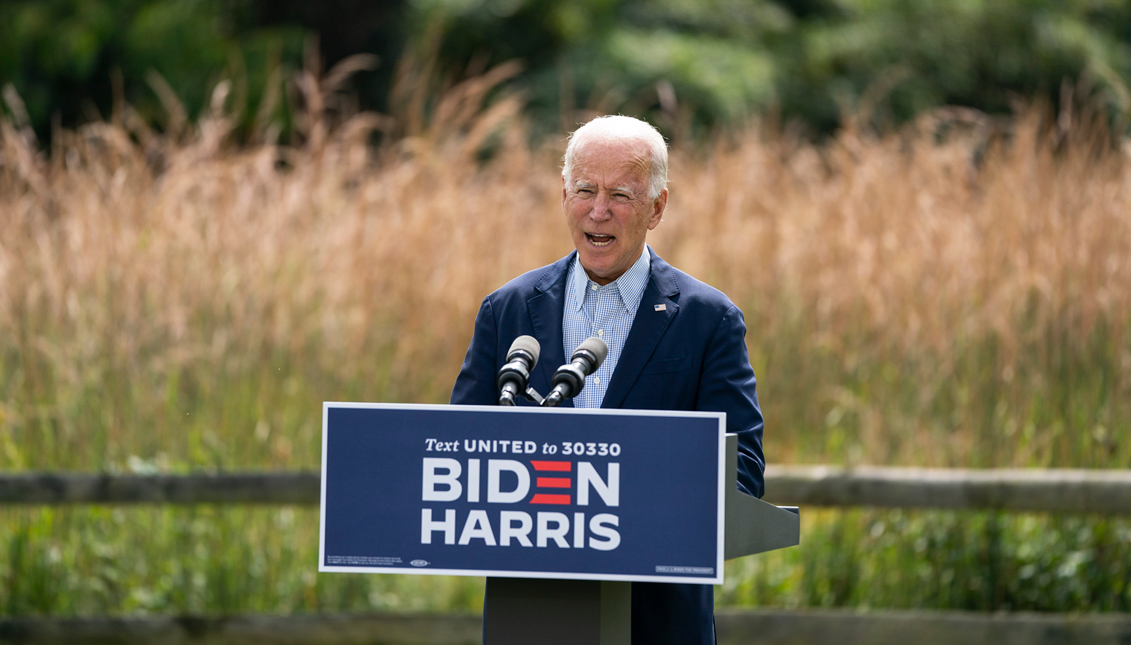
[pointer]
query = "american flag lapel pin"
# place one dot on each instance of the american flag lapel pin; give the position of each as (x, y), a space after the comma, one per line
(661, 307)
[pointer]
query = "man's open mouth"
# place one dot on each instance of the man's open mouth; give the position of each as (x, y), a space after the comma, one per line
(600, 240)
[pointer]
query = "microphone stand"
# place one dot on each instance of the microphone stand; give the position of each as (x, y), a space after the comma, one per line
(514, 608)
(533, 395)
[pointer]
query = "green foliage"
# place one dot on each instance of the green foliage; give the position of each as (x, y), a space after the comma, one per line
(97, 561)
(940, 560)
(686, 64)
(64, 57)
(979, 54)
(1049, 405)
(806, 59)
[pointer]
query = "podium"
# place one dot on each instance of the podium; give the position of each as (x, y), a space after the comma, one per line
(559, 509)
(598, 612)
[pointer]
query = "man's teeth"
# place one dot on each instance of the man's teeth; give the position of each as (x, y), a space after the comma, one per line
(601, 240)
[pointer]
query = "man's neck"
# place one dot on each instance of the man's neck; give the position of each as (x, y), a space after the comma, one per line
(604, 281)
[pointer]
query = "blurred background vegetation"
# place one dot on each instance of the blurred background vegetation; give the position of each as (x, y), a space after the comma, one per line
(688, 65)
(923, 284)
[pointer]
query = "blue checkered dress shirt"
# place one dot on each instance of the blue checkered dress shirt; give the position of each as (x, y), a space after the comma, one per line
(603, 311)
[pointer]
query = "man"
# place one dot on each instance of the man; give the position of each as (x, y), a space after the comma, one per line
(674, 342)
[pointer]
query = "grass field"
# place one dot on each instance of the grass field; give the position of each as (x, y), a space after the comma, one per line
(97, 561)
(956, 293)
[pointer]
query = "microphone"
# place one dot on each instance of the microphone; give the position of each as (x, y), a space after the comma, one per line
(570, 378)
(514, 376)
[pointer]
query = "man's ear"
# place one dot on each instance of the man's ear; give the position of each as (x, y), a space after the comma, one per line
(563, 191)
(658, 207)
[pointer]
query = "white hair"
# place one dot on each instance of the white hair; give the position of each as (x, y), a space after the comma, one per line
(623, 127)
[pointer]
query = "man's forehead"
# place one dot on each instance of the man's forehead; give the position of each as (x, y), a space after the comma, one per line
(592, 164)
(627, 181)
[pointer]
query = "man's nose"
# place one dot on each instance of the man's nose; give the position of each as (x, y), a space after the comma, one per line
(600, 210)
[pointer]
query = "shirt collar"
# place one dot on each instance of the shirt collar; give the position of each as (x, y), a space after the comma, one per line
(630, 284)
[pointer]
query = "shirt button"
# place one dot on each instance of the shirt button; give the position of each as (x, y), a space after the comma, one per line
(600, 332)
(594, 287)
(596, 380)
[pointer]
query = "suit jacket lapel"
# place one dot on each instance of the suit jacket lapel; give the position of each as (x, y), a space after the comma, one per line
(647, 329)
(546, 308)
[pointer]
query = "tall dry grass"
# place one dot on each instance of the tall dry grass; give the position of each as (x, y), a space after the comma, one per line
(954, 293)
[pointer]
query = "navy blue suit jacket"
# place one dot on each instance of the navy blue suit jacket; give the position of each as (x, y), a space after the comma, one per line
(689, 356)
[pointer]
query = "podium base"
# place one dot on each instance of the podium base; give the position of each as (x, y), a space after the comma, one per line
(531, 611)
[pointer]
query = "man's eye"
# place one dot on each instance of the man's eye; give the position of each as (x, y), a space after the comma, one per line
(585, 191)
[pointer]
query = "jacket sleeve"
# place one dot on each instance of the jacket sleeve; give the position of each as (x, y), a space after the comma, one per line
(475, 384)
(727, 384)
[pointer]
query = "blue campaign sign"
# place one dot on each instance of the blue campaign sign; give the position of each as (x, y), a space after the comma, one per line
(523, 492)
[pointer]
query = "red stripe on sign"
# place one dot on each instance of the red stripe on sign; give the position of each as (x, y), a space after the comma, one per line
(563, 466)
(543, 498)
(553, 482)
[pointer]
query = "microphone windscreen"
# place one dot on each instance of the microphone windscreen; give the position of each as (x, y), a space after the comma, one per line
(528, 344)
(596, 347)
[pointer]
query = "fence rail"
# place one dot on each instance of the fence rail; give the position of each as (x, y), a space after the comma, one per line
(1065, 491)
(735, 627)
(1053, 490)
(301, 488)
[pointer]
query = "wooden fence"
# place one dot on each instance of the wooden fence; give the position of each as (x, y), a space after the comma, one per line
(1060, 491)
(1063, 491)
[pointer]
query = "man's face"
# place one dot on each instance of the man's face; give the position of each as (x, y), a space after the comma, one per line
(607, 206)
